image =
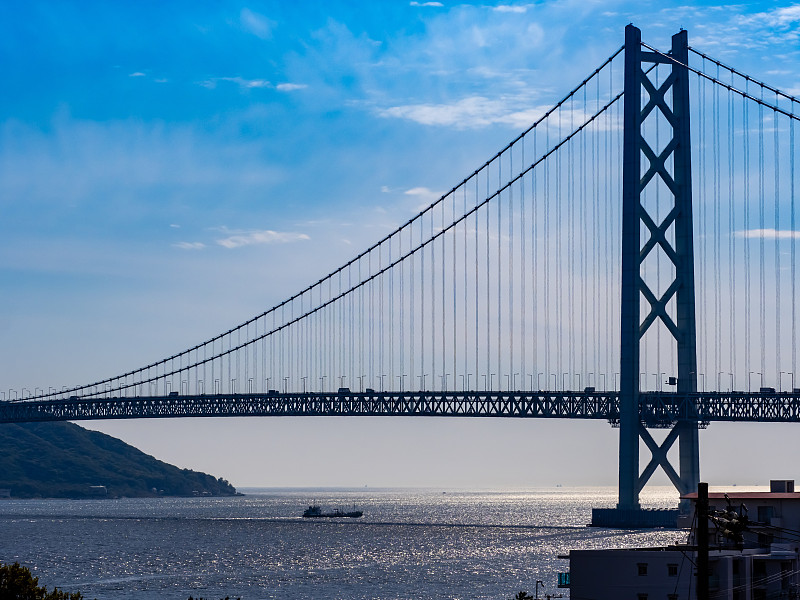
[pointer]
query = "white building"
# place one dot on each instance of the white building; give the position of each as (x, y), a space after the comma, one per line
(761, 563)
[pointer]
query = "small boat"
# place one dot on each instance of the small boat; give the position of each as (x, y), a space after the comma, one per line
(315, 512)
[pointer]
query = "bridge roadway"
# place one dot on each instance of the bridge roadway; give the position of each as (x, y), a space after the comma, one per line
(657, 409)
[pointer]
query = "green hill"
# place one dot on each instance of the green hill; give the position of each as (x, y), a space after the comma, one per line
(62, 460)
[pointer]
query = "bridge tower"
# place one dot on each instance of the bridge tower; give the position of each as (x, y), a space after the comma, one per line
(673, 167)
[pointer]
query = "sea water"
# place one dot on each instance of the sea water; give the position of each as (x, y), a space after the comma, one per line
(410, 543)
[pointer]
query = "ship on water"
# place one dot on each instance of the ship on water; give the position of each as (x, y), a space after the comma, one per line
(315, 512)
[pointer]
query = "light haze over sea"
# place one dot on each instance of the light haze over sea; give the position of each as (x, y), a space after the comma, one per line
(410, 543)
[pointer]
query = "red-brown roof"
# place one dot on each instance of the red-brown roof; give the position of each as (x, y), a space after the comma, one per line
(766, 495)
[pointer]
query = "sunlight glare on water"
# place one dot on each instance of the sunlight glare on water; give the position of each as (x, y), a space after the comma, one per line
(410, 543)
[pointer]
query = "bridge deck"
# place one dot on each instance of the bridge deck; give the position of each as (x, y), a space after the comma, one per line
(657, 409)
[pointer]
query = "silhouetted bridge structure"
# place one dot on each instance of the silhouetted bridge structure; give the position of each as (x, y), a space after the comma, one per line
(656, 410)
(570, 257)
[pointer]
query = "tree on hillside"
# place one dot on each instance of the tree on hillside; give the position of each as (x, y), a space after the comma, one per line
(17, 583)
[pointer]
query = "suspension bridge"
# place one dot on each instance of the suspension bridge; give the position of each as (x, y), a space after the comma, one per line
(630, 257)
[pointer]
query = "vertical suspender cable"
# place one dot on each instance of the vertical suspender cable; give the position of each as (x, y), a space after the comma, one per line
(777, 194)
(583, 239)
(453, 263)
(511, 316)
(373, 351)
(477, 287)
(412, 310)
(351, 326)
(795, 234)
(422, 274)
(402, 299)
(499, 268)
(466, 304)
(761, 240)
(598, 242)
(746, 239)
(731, 229)
(386, 316)
(703, 167)
(615, 217)
(488, 290)
(559, 266)
(432, 334)
(535, 288)
(362, 339)
(717, 230)
(571, 279)
(523, 273)
(547, 321)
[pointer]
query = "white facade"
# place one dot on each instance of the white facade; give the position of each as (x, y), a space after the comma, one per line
(765, 564)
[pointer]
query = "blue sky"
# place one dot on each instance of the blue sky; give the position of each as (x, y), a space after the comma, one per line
(168, 171)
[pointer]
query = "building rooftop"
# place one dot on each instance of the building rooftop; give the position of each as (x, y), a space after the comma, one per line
(765, 495)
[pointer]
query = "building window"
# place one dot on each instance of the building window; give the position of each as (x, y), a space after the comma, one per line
(641, 596)
(765, 514)
(759, 575)
(642, 568)
(672, 570)
(765, 539)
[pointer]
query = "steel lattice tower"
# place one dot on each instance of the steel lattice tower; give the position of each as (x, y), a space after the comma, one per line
(679, 294)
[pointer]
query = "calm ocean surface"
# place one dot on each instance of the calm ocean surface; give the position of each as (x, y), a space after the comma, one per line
(410, 543)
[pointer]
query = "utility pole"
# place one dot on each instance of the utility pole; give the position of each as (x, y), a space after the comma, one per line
(702, 541)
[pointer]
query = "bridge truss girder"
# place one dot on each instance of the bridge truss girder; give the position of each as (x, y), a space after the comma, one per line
(659, 410)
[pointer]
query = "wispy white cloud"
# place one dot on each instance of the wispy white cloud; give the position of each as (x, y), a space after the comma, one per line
(137, 74)
(467, 113)
(189, 245)
(436, 4)
(257, 237)
(423, 196)
(423, 192)
(240, 81)
(257, 24)
(509, 8)
(784, 16)
(769, 234)
(290, 87)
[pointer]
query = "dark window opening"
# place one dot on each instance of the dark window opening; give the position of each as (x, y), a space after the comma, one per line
(765, 513)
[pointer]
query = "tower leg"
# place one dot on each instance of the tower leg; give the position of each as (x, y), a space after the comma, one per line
(638, 242)
(629, 338)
